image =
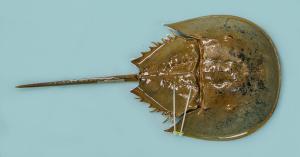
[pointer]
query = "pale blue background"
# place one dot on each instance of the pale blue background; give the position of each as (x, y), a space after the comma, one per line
(64, 39)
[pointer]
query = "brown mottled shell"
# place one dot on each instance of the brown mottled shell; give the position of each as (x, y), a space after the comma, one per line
(231, 67)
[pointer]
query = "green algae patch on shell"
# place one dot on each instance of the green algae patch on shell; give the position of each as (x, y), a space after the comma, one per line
(234, 74)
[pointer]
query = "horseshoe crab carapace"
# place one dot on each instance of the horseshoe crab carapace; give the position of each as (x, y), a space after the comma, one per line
(219, 76)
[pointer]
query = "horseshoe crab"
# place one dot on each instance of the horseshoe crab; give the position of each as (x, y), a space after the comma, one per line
(217, 77)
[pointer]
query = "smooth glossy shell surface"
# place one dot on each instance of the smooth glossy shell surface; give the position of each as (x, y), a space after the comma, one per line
(231, 67)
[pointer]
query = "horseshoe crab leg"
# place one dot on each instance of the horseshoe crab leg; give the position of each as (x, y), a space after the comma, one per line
(185, 110)
(117, 78)
(174, 110)
(180, 133)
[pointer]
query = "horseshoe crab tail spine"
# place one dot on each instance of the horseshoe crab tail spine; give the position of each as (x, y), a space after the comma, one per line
(108, 79)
